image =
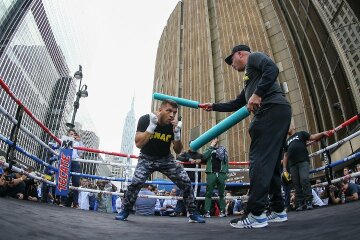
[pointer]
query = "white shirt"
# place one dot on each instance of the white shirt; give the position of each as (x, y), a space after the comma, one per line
(39, 192)
(77, 153)
(118, 204)
(84, 200)
(316, 200)
(171, 202)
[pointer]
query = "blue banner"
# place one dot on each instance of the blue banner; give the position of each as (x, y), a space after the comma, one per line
(63, 174)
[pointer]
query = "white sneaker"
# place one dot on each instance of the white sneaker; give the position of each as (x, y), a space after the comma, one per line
(222, 214)
(277, 217)
(207, 215)
(250, 221)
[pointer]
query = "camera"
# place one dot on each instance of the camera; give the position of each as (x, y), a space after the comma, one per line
(8, 178)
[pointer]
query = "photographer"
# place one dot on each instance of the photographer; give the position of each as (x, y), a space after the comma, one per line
(30, 187)
(348, 192)
(12, 184)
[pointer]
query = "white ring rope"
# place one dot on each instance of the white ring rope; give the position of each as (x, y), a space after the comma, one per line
(348, 138)
(31, 175)
(128, 166)
(133, 166)
(357, 174)
(31, 135)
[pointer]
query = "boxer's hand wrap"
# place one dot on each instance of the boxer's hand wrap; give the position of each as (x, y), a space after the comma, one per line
(177, 131)
(153, 123)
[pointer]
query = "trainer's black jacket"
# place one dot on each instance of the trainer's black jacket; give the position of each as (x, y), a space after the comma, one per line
(259, 78)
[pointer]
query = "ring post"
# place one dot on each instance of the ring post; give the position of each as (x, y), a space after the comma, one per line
(219, 128)
(63, 174)
(196, 179)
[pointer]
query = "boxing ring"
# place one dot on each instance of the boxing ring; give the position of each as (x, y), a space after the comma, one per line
(128, 165)
(39, 175)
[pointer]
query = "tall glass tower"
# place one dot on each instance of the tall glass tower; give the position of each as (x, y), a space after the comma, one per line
(128, 136)
(127, 144)
(34, 63)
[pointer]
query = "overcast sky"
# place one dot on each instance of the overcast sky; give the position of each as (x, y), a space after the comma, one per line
(118, 42)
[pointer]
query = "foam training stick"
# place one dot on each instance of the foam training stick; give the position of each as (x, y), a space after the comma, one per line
(180, 101)
(219, 128)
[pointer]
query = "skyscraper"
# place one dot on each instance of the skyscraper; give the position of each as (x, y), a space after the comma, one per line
(127, 144)
(90, 140)
(315, 44)
(33, 65)
(128, 136)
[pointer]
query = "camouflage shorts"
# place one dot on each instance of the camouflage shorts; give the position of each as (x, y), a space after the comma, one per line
(166, 165)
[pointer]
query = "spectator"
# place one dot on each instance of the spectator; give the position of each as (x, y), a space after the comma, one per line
(287, 185)
(84, 196)
(75, 167)
(321, 191)
(169, 205)
(229, 202)
(318, 187)
(30, 192)
(217, 167)
(113, 198)
(297, 156)
(194, 158)
(347, 171)
(118, 204)
(49, 174)
(239, 208)
(292, 200)
(103, 202)
(12, 184)
(351, 192)
(92, 197)
(316, 200)
(160, 203)
(357, 179)
(3, 183)
(143, 205)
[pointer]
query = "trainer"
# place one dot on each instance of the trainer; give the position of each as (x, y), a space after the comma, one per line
(268, 129)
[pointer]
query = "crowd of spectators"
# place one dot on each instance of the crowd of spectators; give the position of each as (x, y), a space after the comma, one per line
(347, 190)
(24, 188)
(20, 186)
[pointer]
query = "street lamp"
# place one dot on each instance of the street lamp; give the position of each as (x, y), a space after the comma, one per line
(82, 92)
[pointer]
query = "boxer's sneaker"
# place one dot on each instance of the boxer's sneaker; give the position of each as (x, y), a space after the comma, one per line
(196, 218)
(277, 217)
(250, 221)
(123, 215)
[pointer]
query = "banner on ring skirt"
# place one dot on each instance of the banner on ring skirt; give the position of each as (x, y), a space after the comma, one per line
(63, 174)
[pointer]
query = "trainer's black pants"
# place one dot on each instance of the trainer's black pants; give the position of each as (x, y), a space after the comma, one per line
(268, 131)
